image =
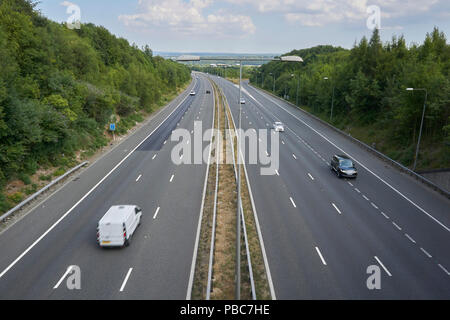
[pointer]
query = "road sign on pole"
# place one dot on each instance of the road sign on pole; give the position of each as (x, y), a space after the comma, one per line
(112, 128)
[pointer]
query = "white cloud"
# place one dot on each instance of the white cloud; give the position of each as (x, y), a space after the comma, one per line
(188, 17)
(67, 4)
(323, 12)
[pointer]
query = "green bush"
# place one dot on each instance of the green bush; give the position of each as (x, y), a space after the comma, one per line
(25, 178)
(59, 172)
(16, 197)
(30, 190)
(45, 177)
(5, 204)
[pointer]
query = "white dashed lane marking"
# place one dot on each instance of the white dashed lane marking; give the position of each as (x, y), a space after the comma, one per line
(426, 252)
(337, 209)
(156, 213)
(293, 203)
(126, 280)
(321, 256)
(382, 265)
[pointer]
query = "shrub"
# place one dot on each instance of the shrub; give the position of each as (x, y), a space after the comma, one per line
(59, 172)
(16, 197)
(45, 177)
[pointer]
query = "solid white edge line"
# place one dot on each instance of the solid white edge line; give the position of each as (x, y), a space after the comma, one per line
(362, 165)
(85, 196)
(197, 238)
(382, 265)
(126, 280)
(63, 277)
(321, 257)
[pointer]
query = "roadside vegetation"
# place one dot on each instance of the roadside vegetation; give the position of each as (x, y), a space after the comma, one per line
(59, 90)
(370, 98)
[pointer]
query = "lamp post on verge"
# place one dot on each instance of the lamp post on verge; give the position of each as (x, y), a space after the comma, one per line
(273, 74)
(421, 123)
(332, 100)
(298, 87)
(188, 58)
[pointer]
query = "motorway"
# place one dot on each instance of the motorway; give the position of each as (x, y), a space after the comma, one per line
(322, 233)
(36, 251)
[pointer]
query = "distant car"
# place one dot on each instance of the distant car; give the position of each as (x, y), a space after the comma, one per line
(278, 127)
(192, 93)
(118, 225)
(242, 101)
(344, 166)
(208, 92)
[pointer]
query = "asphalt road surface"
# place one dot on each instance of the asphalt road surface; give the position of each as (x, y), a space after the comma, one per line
(322, 233)
(61, 231)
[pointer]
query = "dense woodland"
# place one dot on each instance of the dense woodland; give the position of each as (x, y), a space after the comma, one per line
(370, 97)
(59, 89)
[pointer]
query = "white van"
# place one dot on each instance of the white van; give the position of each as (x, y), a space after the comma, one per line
(118, 225)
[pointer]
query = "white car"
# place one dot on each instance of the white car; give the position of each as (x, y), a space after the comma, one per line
(192, 93)
(242, 101)
(118, 225)
(278, 127)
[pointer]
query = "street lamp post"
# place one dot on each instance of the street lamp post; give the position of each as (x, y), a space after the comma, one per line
(332, 100)
(188, 58)
(421, 124)
(262, 78)
(298, 87)
(273, 74)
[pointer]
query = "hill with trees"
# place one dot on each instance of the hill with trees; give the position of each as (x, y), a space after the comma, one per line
(59, 89)
(370, 98)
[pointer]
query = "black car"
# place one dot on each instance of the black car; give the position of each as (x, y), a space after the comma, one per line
(208, 92)
(343, 166)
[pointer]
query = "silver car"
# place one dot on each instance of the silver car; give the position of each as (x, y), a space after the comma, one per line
(278, 127)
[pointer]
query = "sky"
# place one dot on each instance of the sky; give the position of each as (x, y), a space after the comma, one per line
(254, 26)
